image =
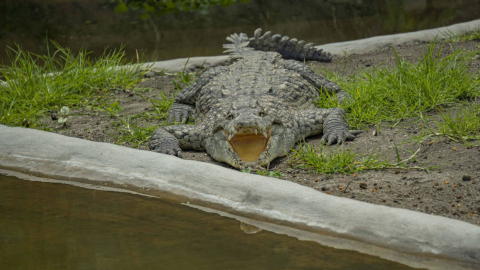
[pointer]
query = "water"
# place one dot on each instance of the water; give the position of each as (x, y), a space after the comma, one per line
(57, 226)
(92, 24)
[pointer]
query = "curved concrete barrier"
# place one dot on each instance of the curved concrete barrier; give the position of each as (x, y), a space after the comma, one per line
(356, 46)
(261, 198)
(374, 43)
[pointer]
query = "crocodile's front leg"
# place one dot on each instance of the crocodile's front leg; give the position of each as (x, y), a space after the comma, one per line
(329, 122)
(171, 140)
(184, 105)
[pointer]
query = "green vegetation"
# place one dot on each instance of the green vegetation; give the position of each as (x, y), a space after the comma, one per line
(113, 109)
(462, 126)
(131, 133)
(64, 111)
(407, 89)
(343, 160)
(35, 84)
(275, 174)
(135, 130)
(468, 36)
(390, 94)
(158, 8)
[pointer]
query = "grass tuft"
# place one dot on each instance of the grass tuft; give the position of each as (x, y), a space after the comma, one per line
(35, 84)
(340, 160)
(468, 36)
(462, 126)
(407, 89)
(343, 160)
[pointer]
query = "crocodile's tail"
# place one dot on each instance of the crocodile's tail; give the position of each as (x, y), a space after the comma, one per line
(288, 48)
(239, 45)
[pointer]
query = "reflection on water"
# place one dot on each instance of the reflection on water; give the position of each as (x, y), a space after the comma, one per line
(56, 226)
(92, 24)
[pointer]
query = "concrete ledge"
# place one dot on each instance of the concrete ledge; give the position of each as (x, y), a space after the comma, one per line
(360, 46)
(177, 65)
(367, 45)
(208, 185)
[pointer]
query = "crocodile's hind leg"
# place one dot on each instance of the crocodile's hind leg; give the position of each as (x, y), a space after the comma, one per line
(171, 140)
(184, 105)
(317, 80)
(329, 122)
(288, 48)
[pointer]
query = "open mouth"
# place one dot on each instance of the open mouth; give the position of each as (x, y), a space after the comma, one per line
(249, 143)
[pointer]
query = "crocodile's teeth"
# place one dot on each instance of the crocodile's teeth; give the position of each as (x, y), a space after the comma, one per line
(264, 133)
(255, 131)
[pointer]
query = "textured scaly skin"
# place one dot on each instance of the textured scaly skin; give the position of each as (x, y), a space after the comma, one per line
(260, 91)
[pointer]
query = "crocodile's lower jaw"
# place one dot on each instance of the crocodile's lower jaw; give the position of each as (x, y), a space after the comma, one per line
(248, 145)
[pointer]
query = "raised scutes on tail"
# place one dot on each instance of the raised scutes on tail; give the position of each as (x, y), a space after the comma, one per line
(241, 45)
(238, 46)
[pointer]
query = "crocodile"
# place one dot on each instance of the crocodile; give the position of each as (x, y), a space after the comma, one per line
(255, 110)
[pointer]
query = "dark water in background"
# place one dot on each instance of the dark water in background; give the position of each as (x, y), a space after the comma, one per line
(92, 24)
(57, 227)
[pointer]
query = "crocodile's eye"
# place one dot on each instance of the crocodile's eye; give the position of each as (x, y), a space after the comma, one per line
(230, 117)
(262, 114)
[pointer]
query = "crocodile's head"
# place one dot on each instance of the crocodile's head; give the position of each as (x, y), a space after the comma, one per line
(250, 136)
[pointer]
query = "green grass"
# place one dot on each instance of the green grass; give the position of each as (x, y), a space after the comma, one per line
(343, 160)
(395, 93)
(267, 173)
(470, 35)
(407, 89)
(340, 160)
(132, 134)
(462, 126)
(135, 130)
(36, 84)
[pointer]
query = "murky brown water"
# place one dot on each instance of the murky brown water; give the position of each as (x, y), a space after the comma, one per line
(92, 24)
(57, 226)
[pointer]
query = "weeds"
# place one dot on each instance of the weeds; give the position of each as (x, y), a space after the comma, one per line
(392, 94)
(64, 111)
(340, 160)
(275, 174)
(267, 173)
(470, 35)
(35, 84)
(343, 160)
(113, 109)
(462, 126)
(133, 134)
(162, 106)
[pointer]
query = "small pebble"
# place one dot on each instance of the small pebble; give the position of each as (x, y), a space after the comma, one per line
(466, 177)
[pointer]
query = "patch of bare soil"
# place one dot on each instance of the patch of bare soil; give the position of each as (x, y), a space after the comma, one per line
(452, 189)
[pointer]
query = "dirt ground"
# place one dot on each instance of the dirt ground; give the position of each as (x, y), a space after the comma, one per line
(452, 189)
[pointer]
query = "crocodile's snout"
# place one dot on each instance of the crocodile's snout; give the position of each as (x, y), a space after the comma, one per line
(248, 133)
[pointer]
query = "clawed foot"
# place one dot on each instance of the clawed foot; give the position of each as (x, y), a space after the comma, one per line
(165, 143)
(175, 151)
(180, 113)
(339, 136)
